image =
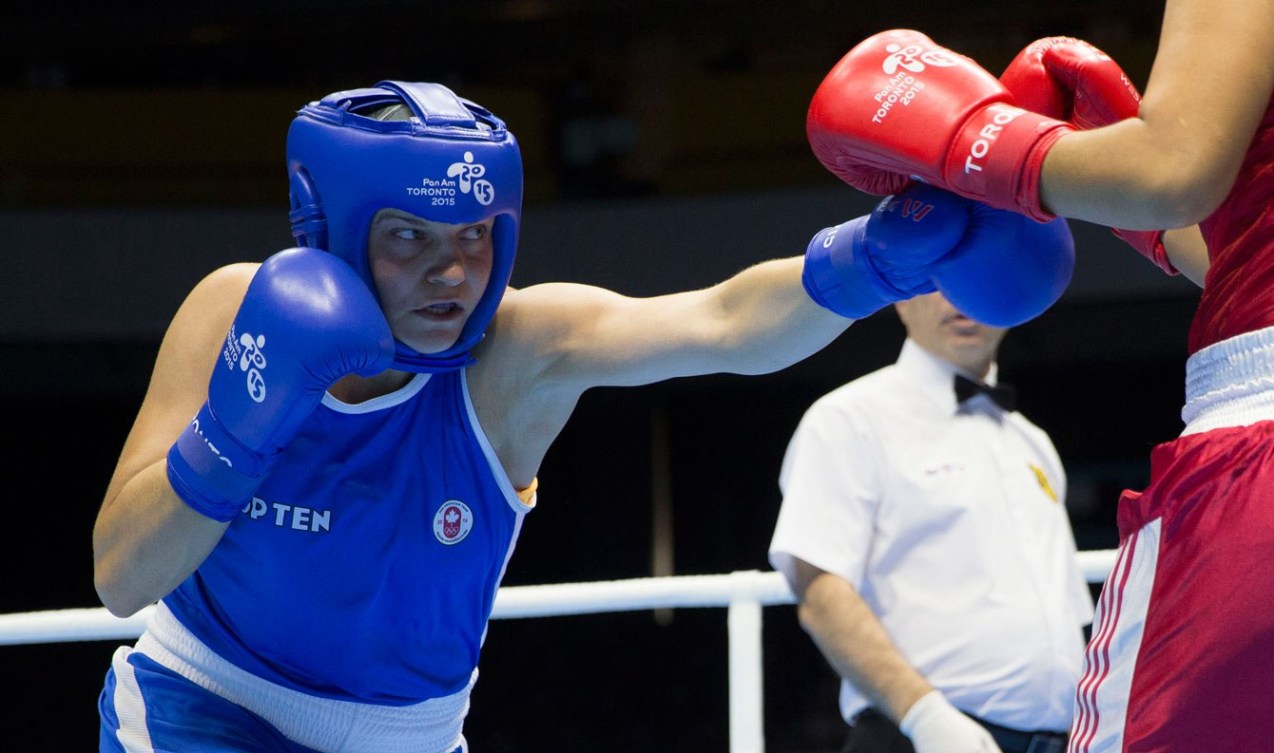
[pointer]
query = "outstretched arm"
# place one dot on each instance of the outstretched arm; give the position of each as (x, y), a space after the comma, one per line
(550, 343)
(776, 313)
(1210, 84)
(758, 321)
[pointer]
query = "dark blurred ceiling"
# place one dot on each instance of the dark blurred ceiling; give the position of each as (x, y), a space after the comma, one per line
(608, 97)
(242, 43)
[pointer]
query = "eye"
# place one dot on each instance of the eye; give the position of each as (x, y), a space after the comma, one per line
(474, 232)
(408, 233)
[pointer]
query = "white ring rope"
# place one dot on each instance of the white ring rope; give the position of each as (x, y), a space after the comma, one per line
(512, 602)
(743, 593)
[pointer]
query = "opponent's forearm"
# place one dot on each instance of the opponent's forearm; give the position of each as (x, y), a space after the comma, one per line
(1125, 176)
(855, 643)
(147, 541)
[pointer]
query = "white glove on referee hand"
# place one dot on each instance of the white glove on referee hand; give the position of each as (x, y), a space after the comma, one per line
(935, 726)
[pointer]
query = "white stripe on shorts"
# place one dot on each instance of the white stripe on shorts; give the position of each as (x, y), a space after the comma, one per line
(1101, 700)
(130, 709)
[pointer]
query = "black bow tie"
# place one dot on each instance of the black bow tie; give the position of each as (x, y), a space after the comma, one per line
(1002, 394)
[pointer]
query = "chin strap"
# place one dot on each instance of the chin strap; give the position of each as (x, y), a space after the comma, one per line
(406, 359)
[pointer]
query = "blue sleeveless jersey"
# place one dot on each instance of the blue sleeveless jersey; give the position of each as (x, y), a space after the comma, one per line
(366, 566)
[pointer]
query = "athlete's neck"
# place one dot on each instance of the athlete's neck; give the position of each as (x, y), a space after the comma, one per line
(353, 389)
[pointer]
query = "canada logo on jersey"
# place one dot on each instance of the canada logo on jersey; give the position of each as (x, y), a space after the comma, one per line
(453, 522)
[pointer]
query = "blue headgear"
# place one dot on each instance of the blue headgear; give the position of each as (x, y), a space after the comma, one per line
(453, 162)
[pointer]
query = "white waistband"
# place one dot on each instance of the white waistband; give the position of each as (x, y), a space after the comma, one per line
(1230, 383)
(324, 724)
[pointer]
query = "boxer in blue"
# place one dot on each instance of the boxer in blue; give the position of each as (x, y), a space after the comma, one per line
(326, 536)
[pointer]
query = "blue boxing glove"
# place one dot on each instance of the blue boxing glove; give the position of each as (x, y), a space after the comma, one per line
(306, 320)
(1009, 268)
(998, 267)
(863, 265)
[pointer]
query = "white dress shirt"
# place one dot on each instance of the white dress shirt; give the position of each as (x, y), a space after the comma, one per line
(949, 521)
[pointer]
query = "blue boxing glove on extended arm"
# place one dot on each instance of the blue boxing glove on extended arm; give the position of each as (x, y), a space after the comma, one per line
(998, 267)
(306, 320)
(863, 265)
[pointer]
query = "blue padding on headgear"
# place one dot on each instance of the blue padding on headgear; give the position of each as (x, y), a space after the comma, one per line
(453, 162)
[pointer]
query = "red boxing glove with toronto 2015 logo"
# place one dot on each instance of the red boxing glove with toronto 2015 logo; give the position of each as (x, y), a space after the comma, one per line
(899, 107)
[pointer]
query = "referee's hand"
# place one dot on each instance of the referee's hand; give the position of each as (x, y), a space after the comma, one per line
(935, 726)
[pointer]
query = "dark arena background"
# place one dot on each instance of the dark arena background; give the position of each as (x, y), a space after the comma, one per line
(665, 149)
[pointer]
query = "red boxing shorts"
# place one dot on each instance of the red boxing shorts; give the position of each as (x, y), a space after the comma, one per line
(1182, 652)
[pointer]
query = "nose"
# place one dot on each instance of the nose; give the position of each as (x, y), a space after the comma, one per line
(447, 268)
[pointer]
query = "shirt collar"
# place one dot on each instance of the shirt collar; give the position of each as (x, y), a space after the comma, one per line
(936, 377)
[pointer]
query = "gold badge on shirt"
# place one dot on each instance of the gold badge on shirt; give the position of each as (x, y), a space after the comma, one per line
(1042, 479)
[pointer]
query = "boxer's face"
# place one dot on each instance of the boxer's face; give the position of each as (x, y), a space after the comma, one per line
(429, 275)
(940, 329)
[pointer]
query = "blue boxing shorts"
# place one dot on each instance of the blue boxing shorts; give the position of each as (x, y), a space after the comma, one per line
(146, 707)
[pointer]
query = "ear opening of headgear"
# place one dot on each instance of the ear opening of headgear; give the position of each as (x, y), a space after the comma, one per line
(309, 226)
(453, 161)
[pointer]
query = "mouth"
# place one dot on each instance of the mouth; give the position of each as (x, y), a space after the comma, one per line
(962, 324)
(440, 311)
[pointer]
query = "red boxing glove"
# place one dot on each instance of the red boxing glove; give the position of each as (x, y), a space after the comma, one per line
(898, 105)
(1070, 79)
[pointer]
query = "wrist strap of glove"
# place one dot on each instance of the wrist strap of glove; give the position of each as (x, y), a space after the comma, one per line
(211, 471)
(839, 276)
(1001, 153)
(1149, 243)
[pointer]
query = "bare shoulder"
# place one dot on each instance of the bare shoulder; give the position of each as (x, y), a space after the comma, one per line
(232, 279)
(518, 391)
(556, 304)
(194, 336)
(538, 324)
(206, 313)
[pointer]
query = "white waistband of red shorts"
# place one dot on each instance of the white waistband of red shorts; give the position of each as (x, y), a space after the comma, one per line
(1230, 383)
(324, 724)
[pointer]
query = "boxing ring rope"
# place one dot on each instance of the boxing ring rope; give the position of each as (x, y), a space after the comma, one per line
(742, 593)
